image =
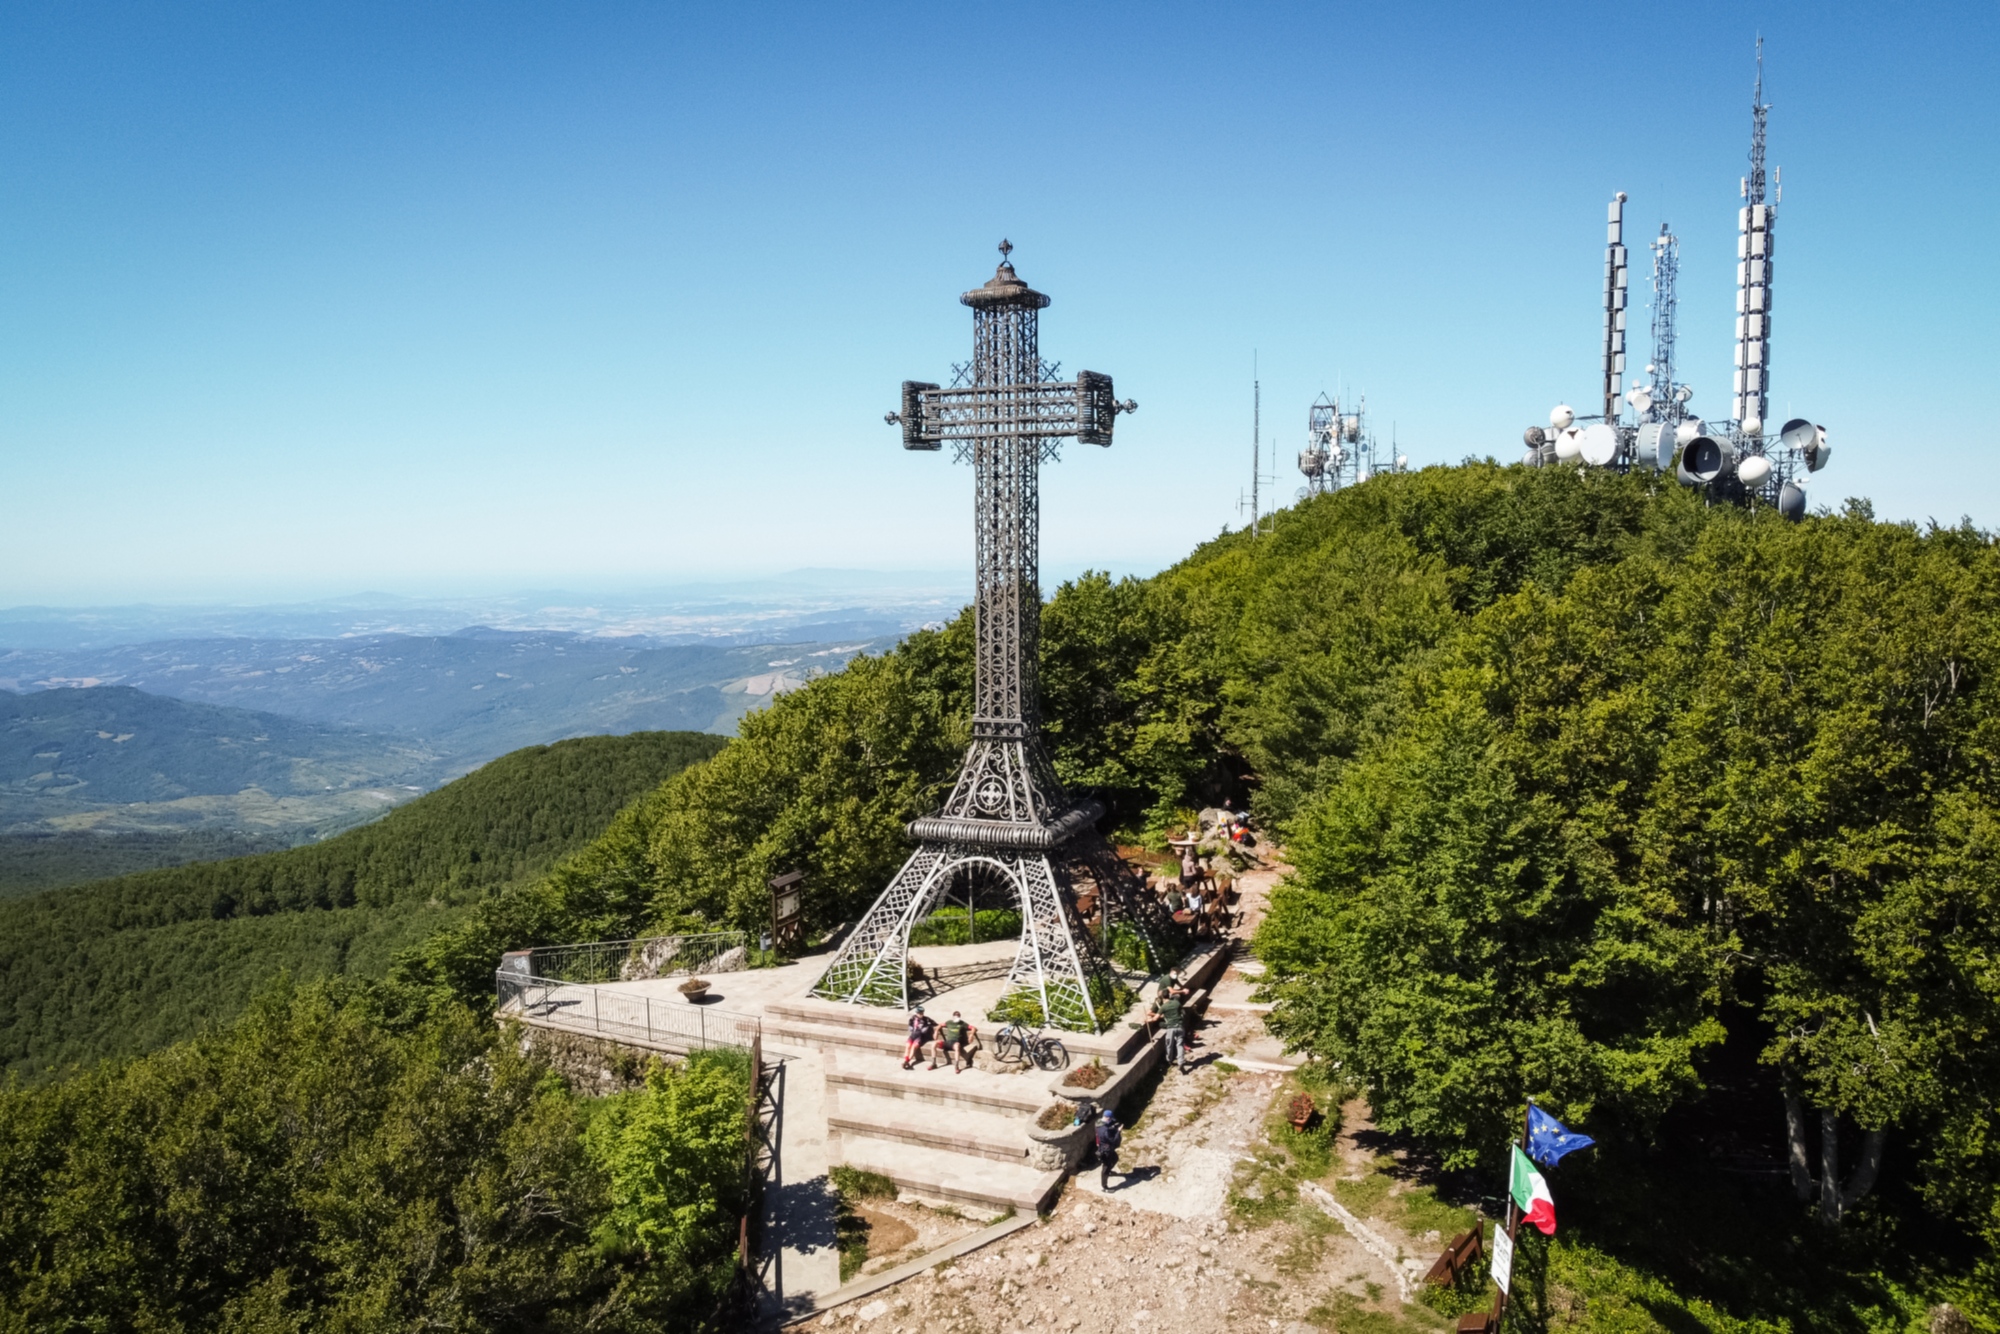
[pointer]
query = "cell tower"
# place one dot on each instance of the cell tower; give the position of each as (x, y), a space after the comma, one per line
(1615, 284)
(1756, 225)
(1662, 400)
(1732, 460)
(1341, 450)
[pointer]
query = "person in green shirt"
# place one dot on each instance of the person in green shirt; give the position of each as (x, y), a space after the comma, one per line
(1167, 1010)
(954, 1040)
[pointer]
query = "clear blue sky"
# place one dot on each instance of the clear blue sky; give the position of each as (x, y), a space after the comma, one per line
(302, 298)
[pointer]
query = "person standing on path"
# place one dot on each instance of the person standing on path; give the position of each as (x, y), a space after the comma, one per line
(1109, 1137)
(1168, 1010)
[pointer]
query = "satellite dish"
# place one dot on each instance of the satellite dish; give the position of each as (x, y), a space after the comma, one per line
(1799, 434)
(1568, 446)
(1535, 437)
(1533, 458)
(1402, 462)
(1792, 501)
(1753, 426)
(1352, 429)
(1683, 394)
(1642, 400)
(1753, 470)
(1821, 451)
(1685, 433)
(1562, 416)
(1656, 445)
(1599, 445)
(1706, 460)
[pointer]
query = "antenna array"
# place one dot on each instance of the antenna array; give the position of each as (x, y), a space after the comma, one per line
(1341, 450)
(1734, 459)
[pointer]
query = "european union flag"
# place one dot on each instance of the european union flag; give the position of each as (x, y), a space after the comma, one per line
(1549, 1139)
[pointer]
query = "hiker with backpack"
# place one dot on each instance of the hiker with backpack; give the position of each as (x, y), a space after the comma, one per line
(1168, 1010)
(1109, 1137)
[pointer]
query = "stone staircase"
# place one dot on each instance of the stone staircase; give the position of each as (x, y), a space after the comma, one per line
(953, 1138)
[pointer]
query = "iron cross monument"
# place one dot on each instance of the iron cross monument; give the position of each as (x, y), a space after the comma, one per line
(1008, 819)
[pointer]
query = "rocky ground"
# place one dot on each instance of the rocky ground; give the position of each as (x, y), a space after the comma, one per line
(1212, 1230)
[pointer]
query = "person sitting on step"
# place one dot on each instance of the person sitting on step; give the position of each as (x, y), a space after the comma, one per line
(920, 1033)
(955, 1040)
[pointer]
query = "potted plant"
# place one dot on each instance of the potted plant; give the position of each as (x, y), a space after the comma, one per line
(694, 989)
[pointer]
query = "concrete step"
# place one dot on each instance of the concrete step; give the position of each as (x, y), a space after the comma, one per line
(815, 1018)
(961, 1128)
(936, 1174)
(794, 1035)
(1008, 1095)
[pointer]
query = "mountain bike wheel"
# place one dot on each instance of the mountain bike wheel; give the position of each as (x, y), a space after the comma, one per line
(1007, 1045)
(1050, 1054)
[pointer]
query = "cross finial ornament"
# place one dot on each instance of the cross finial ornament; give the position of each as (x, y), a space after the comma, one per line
(1006, 249)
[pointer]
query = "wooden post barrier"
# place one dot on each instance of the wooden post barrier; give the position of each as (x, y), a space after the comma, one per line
(1465, 1250)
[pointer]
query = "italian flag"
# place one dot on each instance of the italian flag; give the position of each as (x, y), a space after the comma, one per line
(1531, 1192)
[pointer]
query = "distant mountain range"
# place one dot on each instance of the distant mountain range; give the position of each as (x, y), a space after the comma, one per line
(822, 606)
(469, 696)
(112, 758)
(148, 735)
(308, 736)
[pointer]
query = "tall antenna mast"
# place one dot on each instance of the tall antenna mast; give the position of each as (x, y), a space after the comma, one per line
(1668, 405)
(1614, 306)
(1756, 221)
(1256, 440)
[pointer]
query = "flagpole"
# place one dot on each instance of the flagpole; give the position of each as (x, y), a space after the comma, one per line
(1513, 1223)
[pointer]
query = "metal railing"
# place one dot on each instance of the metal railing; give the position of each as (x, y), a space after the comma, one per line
(647, 957)
(675, 1025)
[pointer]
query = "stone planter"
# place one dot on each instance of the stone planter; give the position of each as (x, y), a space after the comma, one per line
(1123, 1079)
(1058, 1150)
(694, 989)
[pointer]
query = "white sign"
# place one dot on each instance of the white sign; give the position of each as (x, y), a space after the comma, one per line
(1503, 1257)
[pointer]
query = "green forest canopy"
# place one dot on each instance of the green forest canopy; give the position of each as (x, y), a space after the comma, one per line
(1611, 790)
(1605, 785)
(126, 965)
(333, 1161)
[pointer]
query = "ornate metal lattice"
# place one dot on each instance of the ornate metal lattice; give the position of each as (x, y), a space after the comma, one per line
(1008, 812)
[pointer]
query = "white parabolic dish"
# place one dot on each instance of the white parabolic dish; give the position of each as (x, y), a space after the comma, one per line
(1599, 445)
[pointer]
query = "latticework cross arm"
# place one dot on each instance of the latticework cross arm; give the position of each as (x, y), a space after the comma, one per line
(1084, 407)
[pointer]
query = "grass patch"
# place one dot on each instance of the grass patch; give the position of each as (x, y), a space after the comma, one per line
(1225, 1068)
(1345, 1312)
(851, 1231)
(855, 1184)
(1307, 1246)
(947, 926)
(1109, 998)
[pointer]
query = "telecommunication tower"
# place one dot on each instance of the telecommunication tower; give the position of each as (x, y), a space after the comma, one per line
(1756, 227)
(1008, 817)
(1734, 459)
(1662, 399)
(1341, 450)
(1615, 284)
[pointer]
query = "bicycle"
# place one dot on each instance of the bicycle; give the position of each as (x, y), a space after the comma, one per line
(1017, 1042)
